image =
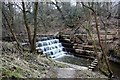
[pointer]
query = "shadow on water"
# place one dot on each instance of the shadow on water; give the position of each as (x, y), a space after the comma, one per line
(116, 69)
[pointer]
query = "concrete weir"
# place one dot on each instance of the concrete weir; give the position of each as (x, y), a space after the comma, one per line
(51, 47)
(55, 47)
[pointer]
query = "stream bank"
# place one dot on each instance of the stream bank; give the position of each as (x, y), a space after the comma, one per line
(28, 65)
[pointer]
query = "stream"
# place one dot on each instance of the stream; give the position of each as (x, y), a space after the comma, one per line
(75, 60)
(53, 48)
(116, 69)
(86, 62)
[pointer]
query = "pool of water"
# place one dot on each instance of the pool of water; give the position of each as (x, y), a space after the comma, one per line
(75, 60)
(115, 67)
(86, 62)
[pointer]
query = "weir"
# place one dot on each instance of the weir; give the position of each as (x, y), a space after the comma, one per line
(51, 47)
(55, 48)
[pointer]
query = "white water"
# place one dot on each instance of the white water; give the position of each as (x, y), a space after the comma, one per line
(51, 47)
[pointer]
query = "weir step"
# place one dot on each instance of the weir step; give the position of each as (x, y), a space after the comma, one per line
(93, 64)
(67, 39)
(77, 47)
(84, 56)
(86, 51)
(95, 61)
(91, 67)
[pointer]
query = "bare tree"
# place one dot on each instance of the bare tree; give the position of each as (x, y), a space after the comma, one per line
(58, 8)
(32, 41)
(35, 26)
(100, 43)
(26, 24)
(10, 22)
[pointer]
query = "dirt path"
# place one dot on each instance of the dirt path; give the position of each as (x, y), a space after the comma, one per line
(65, 73)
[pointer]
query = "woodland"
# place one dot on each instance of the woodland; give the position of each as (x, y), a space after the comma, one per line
(94, 25)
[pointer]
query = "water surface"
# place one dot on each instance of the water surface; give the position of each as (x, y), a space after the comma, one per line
(75, 60)
(116, 69)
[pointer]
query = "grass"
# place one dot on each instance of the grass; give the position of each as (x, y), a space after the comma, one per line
(11, 73)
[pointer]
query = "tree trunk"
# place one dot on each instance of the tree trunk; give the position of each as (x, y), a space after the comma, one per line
(58, 8)
(35, 27)
(26, 25)
(11, 24)
(119, 22)
(100, 44)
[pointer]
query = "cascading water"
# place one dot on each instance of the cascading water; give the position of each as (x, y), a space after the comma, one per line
(51, 47)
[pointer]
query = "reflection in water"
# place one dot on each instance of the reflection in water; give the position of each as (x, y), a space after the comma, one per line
(75, 60)
(116, 69)
(86, 62)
